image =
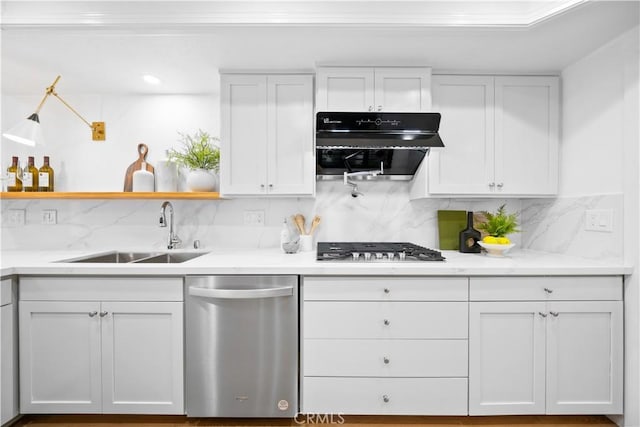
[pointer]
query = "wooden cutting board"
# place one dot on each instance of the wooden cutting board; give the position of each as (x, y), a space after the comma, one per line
(137, 165)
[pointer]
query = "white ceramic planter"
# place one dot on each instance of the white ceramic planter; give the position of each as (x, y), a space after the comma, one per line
(202, 180)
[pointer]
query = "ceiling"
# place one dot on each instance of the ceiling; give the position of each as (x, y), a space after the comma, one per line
(105, 47)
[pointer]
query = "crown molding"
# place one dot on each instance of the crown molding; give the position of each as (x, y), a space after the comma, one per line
(211, 13)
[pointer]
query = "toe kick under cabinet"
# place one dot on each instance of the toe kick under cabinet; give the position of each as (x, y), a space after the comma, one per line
(385, 345)
(101, 345)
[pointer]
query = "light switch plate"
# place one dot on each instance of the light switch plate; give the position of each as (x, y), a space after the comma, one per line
(599, 220)
(49, 217)
(16, 217)
(254, 218)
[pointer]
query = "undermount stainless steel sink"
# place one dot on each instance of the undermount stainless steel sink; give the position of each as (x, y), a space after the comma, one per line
(170, 258)
(116, 257)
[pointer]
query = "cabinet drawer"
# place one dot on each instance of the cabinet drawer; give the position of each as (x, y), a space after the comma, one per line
(385, 289)
(405, 396)
(560, 288)
(385, 358)
(78, 288)
(385, 319)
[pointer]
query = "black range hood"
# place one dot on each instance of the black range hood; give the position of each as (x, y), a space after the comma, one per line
(395, 143)
(377, 130)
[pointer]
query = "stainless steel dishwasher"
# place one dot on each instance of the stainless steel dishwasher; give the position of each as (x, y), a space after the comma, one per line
(241, 346)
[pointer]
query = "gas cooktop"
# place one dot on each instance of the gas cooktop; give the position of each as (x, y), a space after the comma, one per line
(375, 251)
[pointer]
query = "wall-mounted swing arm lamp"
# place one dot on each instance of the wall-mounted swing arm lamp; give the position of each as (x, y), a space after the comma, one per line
(28, 131)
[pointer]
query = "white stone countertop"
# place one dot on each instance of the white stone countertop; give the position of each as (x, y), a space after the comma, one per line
(274, 261)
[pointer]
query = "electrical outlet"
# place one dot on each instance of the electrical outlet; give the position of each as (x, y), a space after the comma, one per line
(16, 217)
(254, 218)
(49, 217)
(599, 220)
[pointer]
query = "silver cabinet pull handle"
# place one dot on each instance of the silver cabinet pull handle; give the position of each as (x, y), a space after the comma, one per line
(542, 314)
(370, 107)
(387, 290)
(500, 185)
(549, 291)
(492, 184)
(379, 107)
(385, 360)
(554, 313)
(103, 313)
(385, 399)
(386, 322)
(93, 314)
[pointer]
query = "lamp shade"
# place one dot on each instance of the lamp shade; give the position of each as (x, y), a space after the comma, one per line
(27, 131)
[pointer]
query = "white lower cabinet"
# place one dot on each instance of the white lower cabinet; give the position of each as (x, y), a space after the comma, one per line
(101, 356)
(545, 356)
(8, 351)
(385, 345)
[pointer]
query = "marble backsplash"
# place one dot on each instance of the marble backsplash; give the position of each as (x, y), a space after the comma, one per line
(383, 213)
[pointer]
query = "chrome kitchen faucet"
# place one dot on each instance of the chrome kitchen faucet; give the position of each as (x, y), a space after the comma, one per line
(173, 240)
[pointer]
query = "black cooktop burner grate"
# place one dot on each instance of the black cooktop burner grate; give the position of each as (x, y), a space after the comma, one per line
(375, 251)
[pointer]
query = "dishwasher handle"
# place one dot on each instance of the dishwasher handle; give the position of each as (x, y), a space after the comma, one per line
(283, 291)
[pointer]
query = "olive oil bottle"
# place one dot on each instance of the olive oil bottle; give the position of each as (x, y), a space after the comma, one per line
(14, 176)
(469, 237)
(45, 176)
(30, 176)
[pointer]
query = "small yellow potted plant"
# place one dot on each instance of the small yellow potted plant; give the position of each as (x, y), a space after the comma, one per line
(497, 227)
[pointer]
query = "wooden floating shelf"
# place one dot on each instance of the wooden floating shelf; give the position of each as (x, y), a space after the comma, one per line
(110, 195)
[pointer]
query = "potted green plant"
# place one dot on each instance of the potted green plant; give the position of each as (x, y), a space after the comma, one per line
(201, 155)
(497, 226)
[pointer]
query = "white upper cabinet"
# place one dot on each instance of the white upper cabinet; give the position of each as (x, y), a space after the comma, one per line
(500, 136)
(267, 135)
(373, 89)
(526, 135)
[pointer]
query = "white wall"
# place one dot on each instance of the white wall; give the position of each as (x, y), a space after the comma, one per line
(593, 90)
(81, 164)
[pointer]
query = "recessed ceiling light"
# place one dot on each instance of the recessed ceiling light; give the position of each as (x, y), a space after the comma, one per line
(152, 80)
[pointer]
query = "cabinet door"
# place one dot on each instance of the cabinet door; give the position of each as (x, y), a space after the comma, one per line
(291, 157)
(142, 357)
(584, 357)
(402, 89)
(243, 169)
(506, 358)
(526, 135)
(465, 165)
(345, 89)
(59, 357)
(8, 352)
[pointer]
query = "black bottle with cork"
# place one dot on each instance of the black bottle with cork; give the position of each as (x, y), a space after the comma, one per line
(469, 237)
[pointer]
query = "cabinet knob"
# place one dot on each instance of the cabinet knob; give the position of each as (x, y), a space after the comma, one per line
(262, 186)
(554, 313)
(549, 291)
(103, 313)
(492, 184)
(93, 314)
(386, 322)
(385, 399)
(385, 360)
(270, 185)
(370, 107)
(500, 185)
(387, 290)
(542, 314)
(379, 107)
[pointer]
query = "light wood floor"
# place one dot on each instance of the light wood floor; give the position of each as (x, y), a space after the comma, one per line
(348, 421)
